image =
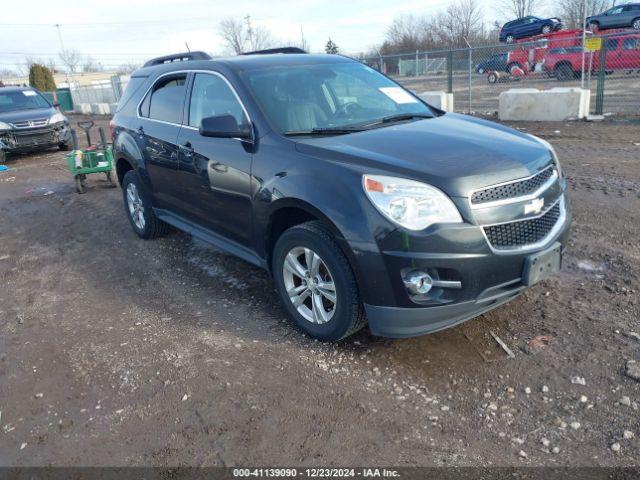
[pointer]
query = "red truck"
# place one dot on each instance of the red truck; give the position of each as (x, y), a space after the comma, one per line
(533, 51)
(623, 53)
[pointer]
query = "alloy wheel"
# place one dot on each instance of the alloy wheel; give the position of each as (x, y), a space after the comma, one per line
(309, 285)
(136, 208)
(636, 24)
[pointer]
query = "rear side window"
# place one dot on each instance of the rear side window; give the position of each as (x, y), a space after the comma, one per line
(611, 44)
(164, 101)
(211, 96)
(130, 90)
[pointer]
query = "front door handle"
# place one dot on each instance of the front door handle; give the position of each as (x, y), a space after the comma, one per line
(187, 147)
(140, 130)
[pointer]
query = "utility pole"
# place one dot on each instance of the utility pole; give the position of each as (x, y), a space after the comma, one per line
(584, 40)
(66, 70)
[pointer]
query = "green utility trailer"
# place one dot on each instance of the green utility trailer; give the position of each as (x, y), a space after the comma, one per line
(93, 159)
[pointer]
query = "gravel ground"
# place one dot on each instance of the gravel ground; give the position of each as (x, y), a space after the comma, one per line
(118, 351)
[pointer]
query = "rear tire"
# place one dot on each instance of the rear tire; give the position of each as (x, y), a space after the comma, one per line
(594, 27)
(492, 77)
(140, 210)
(546, 29)
(564, 73)
(313, 243)
(510, 39)
(3, 156)
(636, 24)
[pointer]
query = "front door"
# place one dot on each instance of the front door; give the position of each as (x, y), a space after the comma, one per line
(215, 173)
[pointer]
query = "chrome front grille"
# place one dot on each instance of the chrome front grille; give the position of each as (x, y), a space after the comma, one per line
(514, 190)
(40, 122)
(525, 233)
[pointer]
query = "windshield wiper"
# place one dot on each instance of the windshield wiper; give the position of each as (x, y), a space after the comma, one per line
(326, 131)
(403, 116)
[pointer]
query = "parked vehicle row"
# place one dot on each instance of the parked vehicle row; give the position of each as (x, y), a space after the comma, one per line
(621, 16)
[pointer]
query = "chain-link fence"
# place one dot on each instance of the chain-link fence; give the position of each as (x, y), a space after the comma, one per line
(106, 91)
(477, 76)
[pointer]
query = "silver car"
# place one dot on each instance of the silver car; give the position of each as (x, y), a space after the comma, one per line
(622, 16)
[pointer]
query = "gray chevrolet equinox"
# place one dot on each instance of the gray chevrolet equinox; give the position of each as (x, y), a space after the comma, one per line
(364, 203)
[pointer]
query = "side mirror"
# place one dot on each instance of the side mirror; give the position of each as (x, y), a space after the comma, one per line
(224, 126)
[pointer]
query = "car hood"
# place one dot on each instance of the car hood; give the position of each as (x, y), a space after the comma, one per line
(453, 152)
(29, 114)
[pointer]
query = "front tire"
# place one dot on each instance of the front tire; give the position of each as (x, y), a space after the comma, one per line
(316, 284)
(64, 147)
(636, 24)
(546, 29)
(140, 210)
(510, 39)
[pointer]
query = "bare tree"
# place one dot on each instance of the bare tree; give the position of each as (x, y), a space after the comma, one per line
(127, 68)
(232, 32)
(71, 59)
(461, 21)
(572, 11)
(519, 8)
(91, 65)
(241, 35)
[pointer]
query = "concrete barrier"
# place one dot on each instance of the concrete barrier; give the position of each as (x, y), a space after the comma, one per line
(557, 104)
(441, 100)
(100, 109)
(83, 108)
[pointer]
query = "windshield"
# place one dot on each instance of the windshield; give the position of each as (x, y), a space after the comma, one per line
(21, 100)
(315, 97)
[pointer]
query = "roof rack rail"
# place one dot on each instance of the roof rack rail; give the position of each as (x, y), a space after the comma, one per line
(178, 57)
(270, 51)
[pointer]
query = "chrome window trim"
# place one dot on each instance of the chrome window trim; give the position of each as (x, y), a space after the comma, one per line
(187, 72)
(532, 246)
(508, 201)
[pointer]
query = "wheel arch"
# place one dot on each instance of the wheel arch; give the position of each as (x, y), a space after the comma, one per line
(289, 212)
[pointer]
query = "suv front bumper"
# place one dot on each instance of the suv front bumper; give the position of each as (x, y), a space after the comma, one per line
(25, 140)
(452, 253)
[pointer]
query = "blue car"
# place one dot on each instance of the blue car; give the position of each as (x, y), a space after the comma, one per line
(528, 27)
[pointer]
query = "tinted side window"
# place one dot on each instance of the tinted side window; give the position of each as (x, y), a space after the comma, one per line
(211, 96)
(611, 44)
(164, 102)
(631, 44)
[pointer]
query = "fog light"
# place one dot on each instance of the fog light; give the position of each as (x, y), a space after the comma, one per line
(417, 282)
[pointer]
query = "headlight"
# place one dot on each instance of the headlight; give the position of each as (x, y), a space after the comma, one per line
(57, 118)
(412, 205)
(552, 150)
(5, 126)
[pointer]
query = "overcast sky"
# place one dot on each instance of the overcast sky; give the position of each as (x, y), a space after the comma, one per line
(122, 31)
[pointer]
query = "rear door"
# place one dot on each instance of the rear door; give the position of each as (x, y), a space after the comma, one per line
(157, 127)
(215, 173)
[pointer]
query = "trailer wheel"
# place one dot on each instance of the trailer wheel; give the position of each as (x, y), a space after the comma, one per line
(81, 186)
(110, 179)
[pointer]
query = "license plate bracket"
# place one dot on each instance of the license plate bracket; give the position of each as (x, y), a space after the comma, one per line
(542, 265)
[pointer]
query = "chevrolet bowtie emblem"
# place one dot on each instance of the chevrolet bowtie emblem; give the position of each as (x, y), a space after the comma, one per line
(535, 206)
